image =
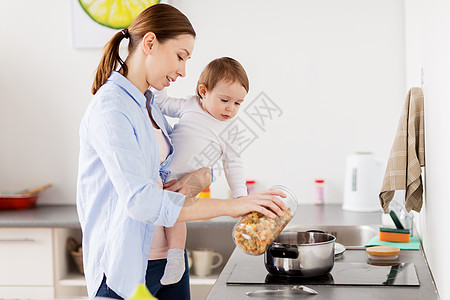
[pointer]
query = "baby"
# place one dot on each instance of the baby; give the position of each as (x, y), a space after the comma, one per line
(197, 140)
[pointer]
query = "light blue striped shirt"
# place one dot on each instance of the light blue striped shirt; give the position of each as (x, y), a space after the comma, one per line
(118, 201)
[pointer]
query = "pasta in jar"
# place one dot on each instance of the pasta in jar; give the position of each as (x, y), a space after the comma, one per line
(254, 232)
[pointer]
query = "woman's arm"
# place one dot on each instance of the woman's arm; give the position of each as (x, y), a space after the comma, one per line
(112, 133)
(265, 202)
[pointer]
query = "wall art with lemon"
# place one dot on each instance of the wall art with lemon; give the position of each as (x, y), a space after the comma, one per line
(94, 22)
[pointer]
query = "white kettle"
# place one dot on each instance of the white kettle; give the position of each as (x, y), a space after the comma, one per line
(363, 180)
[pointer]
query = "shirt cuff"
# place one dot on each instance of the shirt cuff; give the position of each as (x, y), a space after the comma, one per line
(170, 209)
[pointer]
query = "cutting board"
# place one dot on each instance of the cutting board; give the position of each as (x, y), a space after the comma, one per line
(414, 243)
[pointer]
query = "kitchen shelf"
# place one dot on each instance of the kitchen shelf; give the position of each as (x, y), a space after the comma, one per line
(73, 279)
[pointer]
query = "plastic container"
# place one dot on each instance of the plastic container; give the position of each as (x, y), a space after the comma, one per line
(254, 232)
(206, 193)
(383, 252)
(250, 186)
(319, 194)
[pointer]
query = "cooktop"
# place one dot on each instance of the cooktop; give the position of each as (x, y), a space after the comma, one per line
(343, 273)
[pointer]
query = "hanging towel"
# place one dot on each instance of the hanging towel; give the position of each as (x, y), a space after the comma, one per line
(403, 170)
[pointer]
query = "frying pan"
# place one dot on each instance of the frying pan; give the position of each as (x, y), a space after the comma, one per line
(21, 200)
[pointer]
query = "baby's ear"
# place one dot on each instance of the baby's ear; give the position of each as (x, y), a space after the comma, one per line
(202, 90)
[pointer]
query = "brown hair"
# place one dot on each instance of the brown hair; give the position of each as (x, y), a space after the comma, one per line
(164, 20)
(224, 68)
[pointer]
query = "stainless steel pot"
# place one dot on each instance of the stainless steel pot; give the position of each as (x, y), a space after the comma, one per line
(304, 254)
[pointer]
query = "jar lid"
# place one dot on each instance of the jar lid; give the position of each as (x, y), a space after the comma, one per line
(320, 180)
(383, 258)
(249, 181)
(383, 251)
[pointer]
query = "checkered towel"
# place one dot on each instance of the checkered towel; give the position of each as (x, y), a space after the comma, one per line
(403, 170)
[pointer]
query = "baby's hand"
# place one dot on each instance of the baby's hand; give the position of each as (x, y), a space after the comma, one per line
(191, 184)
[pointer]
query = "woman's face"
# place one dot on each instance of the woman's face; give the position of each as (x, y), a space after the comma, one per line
(224, 100)
(168, 60)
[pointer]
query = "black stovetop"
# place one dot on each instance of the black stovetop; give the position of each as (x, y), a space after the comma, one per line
(343, 273)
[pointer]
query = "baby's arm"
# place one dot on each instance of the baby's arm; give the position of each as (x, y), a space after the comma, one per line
(170, 106)
(234, 172)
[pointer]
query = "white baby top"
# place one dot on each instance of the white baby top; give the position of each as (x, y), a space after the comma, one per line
(198, 140)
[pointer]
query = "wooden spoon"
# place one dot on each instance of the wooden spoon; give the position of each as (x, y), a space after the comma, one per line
(36, 190)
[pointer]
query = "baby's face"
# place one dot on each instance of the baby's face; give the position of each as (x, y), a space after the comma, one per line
(223, 102)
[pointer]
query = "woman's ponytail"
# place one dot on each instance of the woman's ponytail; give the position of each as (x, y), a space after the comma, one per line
(109, 61)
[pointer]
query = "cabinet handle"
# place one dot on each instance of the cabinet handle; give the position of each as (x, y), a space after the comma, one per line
(25, 240)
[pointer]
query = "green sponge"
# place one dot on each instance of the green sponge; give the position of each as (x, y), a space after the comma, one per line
(385, 229)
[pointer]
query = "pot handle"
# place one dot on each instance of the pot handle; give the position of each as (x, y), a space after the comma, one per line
(283, 251)
(315, 230)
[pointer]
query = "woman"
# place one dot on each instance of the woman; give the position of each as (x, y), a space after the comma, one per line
(124, 146)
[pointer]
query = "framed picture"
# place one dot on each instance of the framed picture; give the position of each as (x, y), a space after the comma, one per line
(92, 28)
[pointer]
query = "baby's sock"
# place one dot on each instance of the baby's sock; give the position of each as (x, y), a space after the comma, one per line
(174, 268)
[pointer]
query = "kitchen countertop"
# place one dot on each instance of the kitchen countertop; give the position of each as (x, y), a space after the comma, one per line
(331, 215)
(426, 290)
(65, 216)
(41, 216)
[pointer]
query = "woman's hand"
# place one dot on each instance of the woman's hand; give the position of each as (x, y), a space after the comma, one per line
(191, 184)
(265, 202)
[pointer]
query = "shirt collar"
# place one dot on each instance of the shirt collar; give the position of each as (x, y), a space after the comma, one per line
(129, 88)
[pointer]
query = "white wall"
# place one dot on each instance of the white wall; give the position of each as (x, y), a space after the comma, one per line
(428, 48)
(335, 68)
(44, 89)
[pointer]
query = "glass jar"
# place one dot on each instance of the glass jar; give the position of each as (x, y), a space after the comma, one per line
(254, 232)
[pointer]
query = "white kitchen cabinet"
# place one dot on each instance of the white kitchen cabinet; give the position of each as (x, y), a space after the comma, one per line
(199, 292)
(201, 285)
(35, 264)
(69, 282)
(26, 260)
(27, 292)
(213, 235)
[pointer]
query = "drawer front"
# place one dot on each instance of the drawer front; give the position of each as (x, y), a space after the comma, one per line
(27, 292)
(26, 257)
